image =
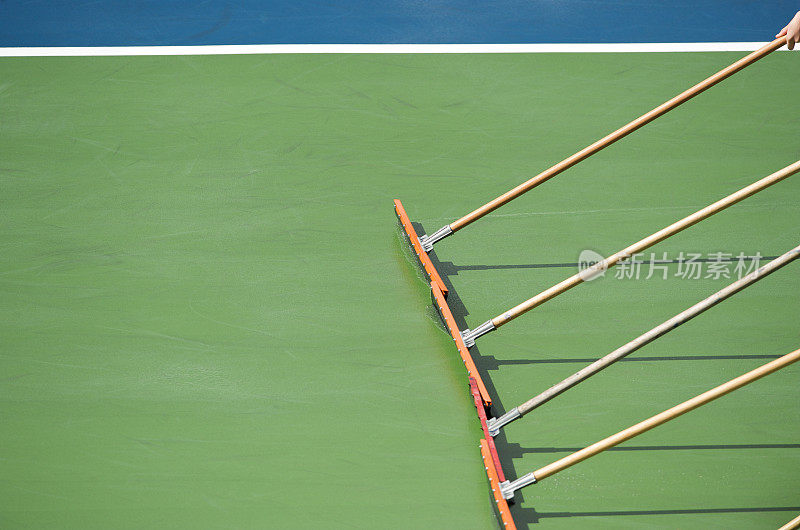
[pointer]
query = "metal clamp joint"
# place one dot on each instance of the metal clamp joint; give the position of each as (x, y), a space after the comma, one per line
(508, 488)
(469, 335)
(495, 424)
(428, 241)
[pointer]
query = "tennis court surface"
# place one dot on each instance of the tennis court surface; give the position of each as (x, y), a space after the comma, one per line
(208, 318)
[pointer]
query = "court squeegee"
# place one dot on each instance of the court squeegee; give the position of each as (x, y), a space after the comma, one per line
(469, 336)
(427, 241)
(495, 424)
(508, 487)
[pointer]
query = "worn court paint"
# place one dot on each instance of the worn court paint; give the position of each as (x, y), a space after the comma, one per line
(182, 22)
(207, 319)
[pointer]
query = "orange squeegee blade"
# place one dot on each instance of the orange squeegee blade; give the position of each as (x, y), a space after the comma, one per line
(472, 370)
(424, 259)
(476, 396)
(494, 483)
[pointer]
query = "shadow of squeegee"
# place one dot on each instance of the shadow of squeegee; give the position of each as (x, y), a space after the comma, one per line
(689, 511)
(490, 362)
(516, 451)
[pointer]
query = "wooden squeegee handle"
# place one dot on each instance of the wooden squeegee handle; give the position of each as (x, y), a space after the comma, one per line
(645, 243)
(616, 135)
(667, 415)
(791, 525)
(659, 331)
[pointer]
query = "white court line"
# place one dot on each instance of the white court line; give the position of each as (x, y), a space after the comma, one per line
(381, 48)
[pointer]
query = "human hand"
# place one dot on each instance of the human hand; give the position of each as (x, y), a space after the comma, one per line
(791, 32)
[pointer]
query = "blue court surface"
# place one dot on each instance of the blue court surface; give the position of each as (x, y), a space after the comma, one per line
(120, 23)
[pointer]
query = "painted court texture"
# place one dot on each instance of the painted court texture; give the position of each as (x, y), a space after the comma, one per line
(209, 319)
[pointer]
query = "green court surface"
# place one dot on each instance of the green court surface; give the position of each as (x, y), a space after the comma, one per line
(208, 319)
